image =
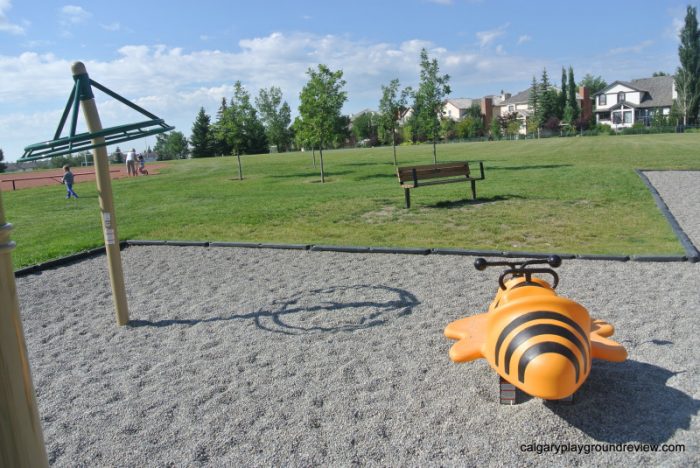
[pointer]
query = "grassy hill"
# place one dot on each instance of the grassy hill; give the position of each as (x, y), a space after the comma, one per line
(570, 195)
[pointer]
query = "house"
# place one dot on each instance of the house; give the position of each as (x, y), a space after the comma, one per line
(456, 109)
(623, 103)
(520, 104)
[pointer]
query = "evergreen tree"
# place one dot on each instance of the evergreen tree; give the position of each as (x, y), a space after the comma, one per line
(533, 103)
(201, 139)
(572, 103)
(3, 166)
(688, 74)
(220, 146)
(429, 99)
(549, 102)
(118, 156)
(563, 94)
(321, 101)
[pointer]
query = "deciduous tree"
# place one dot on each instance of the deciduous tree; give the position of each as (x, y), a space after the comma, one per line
(391, 105)
(429, 98)
(171, 145)
(276, 116)
(321, 101)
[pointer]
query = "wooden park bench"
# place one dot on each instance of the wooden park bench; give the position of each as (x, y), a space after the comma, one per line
(434, 174)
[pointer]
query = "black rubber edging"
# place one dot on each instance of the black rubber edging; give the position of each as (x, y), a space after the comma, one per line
(471, 253)
(516, 254)
(691, 252)
(188, 243)
(248, 245)
(614, 258)
(339, 248)
(399, 250)
(286, 246)
(145, 242)
(63, 261)
(658, 258)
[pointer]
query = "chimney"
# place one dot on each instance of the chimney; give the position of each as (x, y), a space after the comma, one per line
(586, 103)
(487, 110)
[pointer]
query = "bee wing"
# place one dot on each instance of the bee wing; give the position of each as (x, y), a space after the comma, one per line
(471, 333)
(602, 328)
(607, 349)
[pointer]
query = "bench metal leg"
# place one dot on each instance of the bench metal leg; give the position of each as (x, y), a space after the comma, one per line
(407, 193)
(473, 188)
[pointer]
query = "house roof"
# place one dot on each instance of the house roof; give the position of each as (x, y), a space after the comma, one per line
(462, 103)
(524, 96)
(619, 105)
(657, 90)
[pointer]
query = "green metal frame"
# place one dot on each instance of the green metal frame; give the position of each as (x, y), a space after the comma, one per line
(84, 141)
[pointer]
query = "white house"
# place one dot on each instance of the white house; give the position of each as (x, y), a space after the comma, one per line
(455, 109)
(624, 103)
(520, 104)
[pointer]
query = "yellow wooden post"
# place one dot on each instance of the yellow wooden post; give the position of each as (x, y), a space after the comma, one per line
(21, 437)
(104, 190)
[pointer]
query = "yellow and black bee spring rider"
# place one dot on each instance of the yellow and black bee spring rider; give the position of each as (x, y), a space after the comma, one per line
(537, 341)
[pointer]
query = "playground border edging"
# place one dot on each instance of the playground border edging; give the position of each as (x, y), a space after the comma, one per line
(33, 269)
(692, 253)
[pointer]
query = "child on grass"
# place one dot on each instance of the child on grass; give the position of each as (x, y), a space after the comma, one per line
(67, 179)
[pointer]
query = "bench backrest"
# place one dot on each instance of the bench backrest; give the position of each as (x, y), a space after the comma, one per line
(432, 171)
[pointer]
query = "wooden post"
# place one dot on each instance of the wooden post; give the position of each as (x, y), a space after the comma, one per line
(104, 190)
(21, 437)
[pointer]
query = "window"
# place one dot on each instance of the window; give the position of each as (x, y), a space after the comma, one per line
(602, 100)
(621, 96)
(616, 117)
(628, 117)
(511, 108)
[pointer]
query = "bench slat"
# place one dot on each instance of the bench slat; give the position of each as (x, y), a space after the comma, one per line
(406, 174)
(436, 174)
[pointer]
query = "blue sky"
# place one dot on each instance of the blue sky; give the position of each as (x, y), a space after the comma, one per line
(174, 57)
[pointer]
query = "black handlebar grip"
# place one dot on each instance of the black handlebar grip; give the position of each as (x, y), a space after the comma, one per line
(554, 261)
(480, 264)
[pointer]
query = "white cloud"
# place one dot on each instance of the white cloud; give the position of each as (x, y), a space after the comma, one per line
(442, 2)
(114, 27)
(487, 37)
(523, 39)
(174, 83)
(635, 49)
(5, 24)
(72, 14)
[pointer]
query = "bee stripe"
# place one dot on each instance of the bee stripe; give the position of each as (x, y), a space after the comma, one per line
(544, 329)
(540, 314)
(542, 348)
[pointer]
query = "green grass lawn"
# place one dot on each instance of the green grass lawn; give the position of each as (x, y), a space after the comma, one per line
(566, 195)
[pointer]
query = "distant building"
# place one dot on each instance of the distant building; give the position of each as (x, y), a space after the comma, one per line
(624, 103)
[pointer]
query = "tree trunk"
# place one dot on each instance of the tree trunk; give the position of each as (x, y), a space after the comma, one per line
(240, 168)
(393, 144)
(320, 152)
(434, 152)
(313, 155)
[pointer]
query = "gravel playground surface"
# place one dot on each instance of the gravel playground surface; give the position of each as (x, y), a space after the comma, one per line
(267, 357)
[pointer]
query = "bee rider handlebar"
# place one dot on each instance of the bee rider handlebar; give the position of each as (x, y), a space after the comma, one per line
(519, 269)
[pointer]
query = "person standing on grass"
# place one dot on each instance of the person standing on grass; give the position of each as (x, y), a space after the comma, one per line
(67, 180)
(131, 162)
